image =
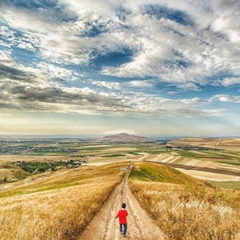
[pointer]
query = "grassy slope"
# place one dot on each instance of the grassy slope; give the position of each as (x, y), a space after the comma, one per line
(183, 206)
(160, 173)
(11, 172)
(56, 206)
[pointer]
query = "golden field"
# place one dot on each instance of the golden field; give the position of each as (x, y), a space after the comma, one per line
(186, 208)
(59, 204)
(56, 206)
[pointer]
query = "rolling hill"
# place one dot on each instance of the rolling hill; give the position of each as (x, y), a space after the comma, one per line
(123, 138)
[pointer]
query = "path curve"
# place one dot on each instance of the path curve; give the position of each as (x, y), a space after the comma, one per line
(104, 226)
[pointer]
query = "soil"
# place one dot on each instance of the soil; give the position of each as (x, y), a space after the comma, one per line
(104, 226)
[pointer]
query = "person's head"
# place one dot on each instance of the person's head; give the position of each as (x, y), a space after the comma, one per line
(124, 205)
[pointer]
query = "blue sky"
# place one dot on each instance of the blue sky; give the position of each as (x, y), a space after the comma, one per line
(157, 67)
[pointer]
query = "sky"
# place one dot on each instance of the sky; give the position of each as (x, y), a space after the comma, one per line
(157, 67)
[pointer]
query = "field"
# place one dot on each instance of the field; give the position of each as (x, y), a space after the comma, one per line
(60, 202)
(56, 206)
(183, 207)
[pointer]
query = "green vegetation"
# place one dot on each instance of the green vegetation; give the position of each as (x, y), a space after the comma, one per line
(188, 154)
(228, 184)
(40, 167)
(134, 153)
(96, 148)
(74, 177)
(214, 155)
(160, 173)
(232, 163)
(155, 152)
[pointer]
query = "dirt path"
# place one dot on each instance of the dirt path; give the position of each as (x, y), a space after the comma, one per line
(105, 227)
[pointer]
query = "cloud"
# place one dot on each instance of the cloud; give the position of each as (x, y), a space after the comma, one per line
(230, 81)
(54, 71)
(227, 13)
(193, 100)
(37, 90)
(226, 98)
(8, 72)
(98, 56)
(140, 84)
(108, 85)
(170, 41)
(29, 97)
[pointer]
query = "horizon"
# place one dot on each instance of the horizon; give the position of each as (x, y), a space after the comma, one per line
(152, 67)
(79, 136)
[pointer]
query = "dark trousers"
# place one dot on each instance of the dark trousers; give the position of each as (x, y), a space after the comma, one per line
(123, 228)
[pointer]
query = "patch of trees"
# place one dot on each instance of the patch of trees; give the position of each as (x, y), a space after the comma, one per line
(40, 167)
(189, 147)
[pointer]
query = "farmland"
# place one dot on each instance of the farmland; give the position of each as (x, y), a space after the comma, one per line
(54, 154)
(172, 183)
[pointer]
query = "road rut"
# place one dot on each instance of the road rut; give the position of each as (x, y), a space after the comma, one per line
(104, 226)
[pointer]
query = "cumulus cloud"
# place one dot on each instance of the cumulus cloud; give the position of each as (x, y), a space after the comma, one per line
(54, 71)
(140, 84)
(230, 81)
(108, 85)
(26, 91)
(164, 46)
(226, 98)
(225, 22)
(92, 55)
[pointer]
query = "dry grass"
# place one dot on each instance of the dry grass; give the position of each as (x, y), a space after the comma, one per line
(192, 211)
(60, 207)
(11, 172)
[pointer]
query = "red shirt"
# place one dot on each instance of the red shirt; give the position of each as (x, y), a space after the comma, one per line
(122, 215)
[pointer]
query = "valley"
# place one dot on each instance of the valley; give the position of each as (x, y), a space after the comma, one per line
(72, 180)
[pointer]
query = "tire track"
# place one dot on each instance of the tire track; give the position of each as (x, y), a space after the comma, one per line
(104, 226)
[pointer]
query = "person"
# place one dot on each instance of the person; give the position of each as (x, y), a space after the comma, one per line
(122, 216)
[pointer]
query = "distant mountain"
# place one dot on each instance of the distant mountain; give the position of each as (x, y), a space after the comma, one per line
(123, 138)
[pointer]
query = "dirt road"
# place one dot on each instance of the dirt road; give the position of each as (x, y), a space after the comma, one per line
(105, 227)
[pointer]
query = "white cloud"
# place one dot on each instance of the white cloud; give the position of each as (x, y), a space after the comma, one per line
(79, 8)
(25, 45)
(226, 98)
(108, 85)
(153, 40)
(5, 56)
(230, 81)
(226, 22)
(192, 100)
(175, 53)
(54, 71)
(215, 112)
(6, 32)
(139, 84)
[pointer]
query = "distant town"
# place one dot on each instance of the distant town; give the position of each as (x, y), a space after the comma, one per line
(16, 147)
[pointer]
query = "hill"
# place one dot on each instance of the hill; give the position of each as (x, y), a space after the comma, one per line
(145, 171)
(183, 206)
(123, 138)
